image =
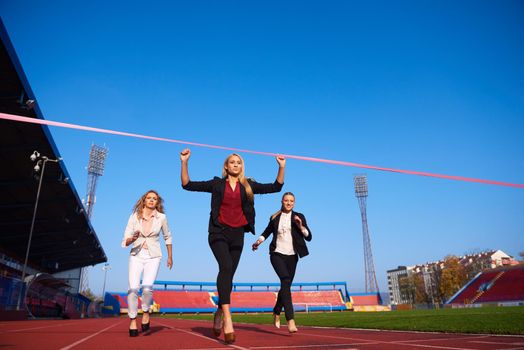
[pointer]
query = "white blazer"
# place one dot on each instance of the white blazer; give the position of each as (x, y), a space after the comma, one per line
(153, 240)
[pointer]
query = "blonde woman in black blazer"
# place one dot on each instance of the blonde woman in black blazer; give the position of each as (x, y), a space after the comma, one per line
(290, 233)
(232, 214)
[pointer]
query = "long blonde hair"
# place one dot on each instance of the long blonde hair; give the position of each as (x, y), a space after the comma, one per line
(282, 206)
(241, 177)
(141, 203)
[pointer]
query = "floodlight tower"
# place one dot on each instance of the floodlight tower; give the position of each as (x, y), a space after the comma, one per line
(361, 191)
(95, 169)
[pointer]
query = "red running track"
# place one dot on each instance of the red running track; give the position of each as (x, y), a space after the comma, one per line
(111, 333)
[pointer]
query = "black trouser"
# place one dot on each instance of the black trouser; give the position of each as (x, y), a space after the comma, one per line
(227, 247)
(285, 266)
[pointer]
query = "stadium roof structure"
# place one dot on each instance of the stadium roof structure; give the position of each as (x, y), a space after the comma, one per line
(63, 237)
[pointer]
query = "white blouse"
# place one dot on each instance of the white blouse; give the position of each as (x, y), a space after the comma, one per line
(284, 243)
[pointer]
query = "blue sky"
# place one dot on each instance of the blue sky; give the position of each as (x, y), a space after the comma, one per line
(435, 86)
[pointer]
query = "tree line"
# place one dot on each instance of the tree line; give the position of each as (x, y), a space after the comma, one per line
(436, 283)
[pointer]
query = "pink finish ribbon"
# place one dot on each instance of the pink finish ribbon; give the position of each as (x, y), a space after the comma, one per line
(311, 159)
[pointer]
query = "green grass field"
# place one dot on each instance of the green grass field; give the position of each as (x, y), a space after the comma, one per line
(486, 320)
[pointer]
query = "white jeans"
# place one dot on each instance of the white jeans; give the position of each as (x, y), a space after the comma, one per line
(141, 265)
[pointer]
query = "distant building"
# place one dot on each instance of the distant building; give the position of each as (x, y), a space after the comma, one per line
(489, 259)
(394, 276)
(474, 263)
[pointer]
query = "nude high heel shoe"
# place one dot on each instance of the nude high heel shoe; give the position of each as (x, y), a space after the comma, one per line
(229, 338)
(291, 327)
(217, 331)
(276, 320)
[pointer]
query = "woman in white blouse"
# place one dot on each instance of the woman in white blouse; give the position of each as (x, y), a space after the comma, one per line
(143, 232)
(290, 233)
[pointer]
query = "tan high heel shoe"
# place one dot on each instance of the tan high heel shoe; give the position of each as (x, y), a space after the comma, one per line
(276, 320)
(217, 331)
(291, 327)
(229, 338)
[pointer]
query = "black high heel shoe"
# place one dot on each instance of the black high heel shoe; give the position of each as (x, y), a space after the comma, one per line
(145, 326)
(133, 332)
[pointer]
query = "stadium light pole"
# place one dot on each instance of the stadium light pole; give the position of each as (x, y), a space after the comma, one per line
(95, 169)
(105, 268)
(41, 161)
(361, 192)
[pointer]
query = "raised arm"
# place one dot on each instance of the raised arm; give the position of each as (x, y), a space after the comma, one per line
(187, 184)
(281, 167)
(184, 173)
(261, 188)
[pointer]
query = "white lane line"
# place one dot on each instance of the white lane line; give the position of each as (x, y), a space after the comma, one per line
(323, 336)
(363, 341)
(497, 342)
(42, 327)
(203, 336)
(375, 342)
(411, 332)
(440, 339)
(273, 347)
(200, 349)
(328, 346)
(434, 346)
(89, 337)
(385, 342)
(393, 341)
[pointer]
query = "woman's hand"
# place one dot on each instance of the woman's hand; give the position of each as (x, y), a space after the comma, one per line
(169, 248)
(133, 238)
(255, 245)
(281, 160)
(185, 154)
(298, 221)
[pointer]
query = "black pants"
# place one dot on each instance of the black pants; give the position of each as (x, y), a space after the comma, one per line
(285, 267)
(227, 247)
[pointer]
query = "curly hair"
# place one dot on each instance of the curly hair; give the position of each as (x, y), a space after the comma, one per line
(141, 203)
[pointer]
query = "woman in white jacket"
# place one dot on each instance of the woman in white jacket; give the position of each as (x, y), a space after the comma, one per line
(143, 232)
